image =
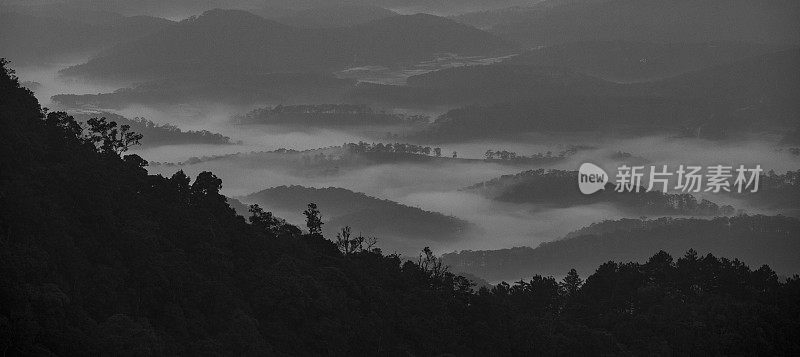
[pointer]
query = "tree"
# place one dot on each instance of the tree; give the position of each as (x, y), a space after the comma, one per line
(206, 184)
(108, 138)
(264, 220)
(437, 152)
(572, 282)
(313, 219)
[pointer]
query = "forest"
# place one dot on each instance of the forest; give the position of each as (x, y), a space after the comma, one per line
(99, 257)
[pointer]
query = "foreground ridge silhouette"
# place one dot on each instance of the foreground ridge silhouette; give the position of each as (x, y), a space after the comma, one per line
(97, 258)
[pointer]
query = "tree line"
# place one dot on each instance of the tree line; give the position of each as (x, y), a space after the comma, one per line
(97, 258)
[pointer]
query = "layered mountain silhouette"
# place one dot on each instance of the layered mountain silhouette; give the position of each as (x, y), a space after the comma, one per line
(485, 84)
(398, 226)
(506, 99)
(658, 21)
(334, 16)
(226, 41)
(755, 240)
(558, 188)
(638, 61)
(231, 88)
(37, 37)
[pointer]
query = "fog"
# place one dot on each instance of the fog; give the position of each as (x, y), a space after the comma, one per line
(426, 186)
(432, 187)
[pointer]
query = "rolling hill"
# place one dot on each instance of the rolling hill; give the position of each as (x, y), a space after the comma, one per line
(397, 225)
(36, 38)
(335, 16)
(756, 240)
(232, 88)
(558, 188)
(233, 41)
(484, 84)
(638, 61)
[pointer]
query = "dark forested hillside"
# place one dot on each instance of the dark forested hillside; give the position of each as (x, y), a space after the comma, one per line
(755, 240)
(99, 258)
(365, 214)
(160, 134)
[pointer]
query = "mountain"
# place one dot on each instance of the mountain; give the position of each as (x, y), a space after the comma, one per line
(326, 115)
(218, 41)
(397, 225)
(659, 21)
(753, 94)
(159, 134)
(487, 19)
(638, 61)
(602, 115)
(230, 88)
(99, 258)
(414, 38)
(755, 240)
(558, 188)
(484, 84)
(71, 11)
(233, 41)
(31, 39)
(335, 16)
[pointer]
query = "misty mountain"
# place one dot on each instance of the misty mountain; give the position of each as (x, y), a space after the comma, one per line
(233, 41)
(485, 84)
(397, 224)
(637, 61)
(229, 88)
(159, 134)
(487, 19)
(763, 90)
(777, 193)
(414, 38)
(326, 115)
(218, 41)
(65, 10)
(659, 21)
(39, 38)
(558, 188)
(334, 16)
(602, 115)
(756, 240)
(713, 102)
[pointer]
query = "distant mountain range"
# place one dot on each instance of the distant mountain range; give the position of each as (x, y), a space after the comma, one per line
(558, 188)
(711, 102)
(638, 61)
(229, 88)
(656, 21)
(36, 37)
(233, 41)
(756, 240)
(334, 16)
(399, 227)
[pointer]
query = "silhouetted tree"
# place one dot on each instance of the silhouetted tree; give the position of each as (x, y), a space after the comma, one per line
(572, 283)
(313, 219)
(110, 139)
